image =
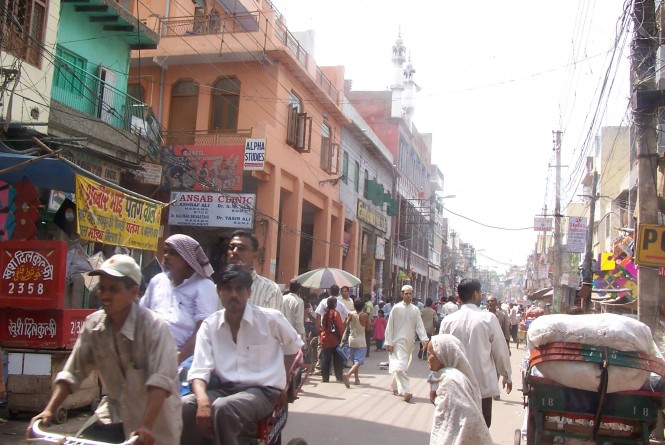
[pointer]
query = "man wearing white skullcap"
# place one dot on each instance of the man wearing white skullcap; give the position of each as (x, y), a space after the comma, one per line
(403, 324)
(183, 295)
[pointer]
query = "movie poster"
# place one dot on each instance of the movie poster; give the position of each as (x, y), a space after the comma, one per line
(212, 168)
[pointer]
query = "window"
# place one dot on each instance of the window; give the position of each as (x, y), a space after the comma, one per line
(298, 126)
(356, 177)
(345, 167)
(329, 151)
(225, 104)
(23, 24)
(366, 184)
(69, 71)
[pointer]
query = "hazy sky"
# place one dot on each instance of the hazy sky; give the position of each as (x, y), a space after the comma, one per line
(497, 77)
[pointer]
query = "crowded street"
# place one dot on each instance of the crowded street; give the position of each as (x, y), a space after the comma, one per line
(330, 414)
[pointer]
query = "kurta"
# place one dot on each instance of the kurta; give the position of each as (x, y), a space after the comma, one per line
(404, 321)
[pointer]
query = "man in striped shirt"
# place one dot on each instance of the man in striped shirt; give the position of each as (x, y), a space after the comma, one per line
(244, 249)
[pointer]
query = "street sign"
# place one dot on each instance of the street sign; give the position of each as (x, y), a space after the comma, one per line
(650, 245)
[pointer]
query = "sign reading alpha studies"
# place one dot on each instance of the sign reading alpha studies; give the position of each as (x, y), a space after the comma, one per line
(107, 215)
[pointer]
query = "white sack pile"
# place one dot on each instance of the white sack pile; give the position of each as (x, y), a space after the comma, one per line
(611, 330)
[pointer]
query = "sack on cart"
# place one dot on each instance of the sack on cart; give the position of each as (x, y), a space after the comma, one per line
(601, 330)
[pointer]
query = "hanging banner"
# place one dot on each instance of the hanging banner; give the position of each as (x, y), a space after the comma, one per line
(108, 216)
(576, 234)
(214, 168)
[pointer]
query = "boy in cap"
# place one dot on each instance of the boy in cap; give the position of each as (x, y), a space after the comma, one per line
(135, 356)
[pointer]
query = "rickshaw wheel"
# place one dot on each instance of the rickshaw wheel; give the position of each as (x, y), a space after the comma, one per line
(60, 416)
(517, 437)
(297, 441)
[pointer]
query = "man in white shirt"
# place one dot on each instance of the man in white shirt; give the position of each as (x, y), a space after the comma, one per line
(344, 298)
(183, 295)
(244, 249)
(294, 309)
(404, 323)
(250, 350)
(450, 306)
(484, 342)
(514, 316)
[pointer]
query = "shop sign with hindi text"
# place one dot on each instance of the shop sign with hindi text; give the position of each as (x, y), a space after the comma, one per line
(106, 215)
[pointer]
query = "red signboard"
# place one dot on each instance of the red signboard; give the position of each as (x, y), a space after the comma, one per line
(32, 274)
(41, 328)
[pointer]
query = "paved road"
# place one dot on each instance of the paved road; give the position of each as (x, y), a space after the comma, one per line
(330, 414)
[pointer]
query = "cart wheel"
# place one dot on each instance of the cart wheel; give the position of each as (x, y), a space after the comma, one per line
(517, 437)
(60, 416)
(297, 441)
(94, 404)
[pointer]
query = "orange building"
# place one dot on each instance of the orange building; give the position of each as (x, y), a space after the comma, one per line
(228, 70)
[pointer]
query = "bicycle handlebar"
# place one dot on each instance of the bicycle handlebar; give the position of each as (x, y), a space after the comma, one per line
(46, 436)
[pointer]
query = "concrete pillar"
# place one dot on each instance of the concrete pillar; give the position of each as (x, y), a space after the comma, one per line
(289, 244)
(321, 246)
(266, 227)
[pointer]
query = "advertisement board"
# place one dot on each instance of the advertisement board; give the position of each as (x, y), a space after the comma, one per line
(234, 210)
(203, 167)
(41, 328)
(33, 274)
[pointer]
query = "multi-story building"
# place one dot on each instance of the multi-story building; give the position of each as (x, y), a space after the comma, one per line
(366, 190)
(228, 71)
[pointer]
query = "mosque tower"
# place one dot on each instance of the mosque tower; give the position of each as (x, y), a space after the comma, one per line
(410, 89)
(397, 87)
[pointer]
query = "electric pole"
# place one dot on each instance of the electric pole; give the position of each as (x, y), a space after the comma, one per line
(587, 273)
(556, 269)
(643, 81)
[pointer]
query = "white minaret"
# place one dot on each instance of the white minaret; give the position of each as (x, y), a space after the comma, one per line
(410, 88)
(397, 87)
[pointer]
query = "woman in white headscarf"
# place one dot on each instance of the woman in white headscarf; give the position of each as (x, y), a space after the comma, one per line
(458, 418)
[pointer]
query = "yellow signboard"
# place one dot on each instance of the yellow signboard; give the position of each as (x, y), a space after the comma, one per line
(650, 245)
(107, 215)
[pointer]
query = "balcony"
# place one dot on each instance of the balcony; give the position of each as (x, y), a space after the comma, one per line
(93, 96)
(230, 137)
(207, 25)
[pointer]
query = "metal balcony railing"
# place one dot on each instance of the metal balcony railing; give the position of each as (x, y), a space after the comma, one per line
(327, 85)
(205, 25)
(228, 137)
(76, 88)
(285, 36)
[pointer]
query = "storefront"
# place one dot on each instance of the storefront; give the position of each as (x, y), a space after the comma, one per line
(373, 228)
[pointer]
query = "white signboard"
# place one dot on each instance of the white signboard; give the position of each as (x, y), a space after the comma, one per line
(234, 210)
(380, 252)
(576, 234)
(542, 224)
(151, 173)
(255, 154)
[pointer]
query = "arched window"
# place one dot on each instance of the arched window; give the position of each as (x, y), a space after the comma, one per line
(225, 103)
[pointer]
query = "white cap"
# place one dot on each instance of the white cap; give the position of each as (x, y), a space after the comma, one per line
(120, 266)
(407, 287)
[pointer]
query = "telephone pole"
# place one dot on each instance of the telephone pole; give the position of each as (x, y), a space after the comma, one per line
(556, 269)
(643, 83)
(587, 273)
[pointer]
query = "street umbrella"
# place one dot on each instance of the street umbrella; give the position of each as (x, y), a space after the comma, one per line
(325, 277)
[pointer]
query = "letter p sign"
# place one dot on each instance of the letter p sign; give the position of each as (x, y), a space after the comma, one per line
(650, 245)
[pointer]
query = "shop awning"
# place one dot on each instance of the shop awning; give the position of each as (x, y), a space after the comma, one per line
(541, 294)
(43, 173)
(52, 173)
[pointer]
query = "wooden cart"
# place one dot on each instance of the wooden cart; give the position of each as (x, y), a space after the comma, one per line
(29, 386)
(583, 413)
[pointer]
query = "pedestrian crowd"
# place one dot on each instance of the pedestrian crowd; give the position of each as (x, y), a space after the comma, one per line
(230, 339)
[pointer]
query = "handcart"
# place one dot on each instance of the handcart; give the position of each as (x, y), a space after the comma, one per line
(555, 410)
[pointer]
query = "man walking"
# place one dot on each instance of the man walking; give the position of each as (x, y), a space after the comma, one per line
(294, 309)
(514, 322)
(403, 324)
(481, 335)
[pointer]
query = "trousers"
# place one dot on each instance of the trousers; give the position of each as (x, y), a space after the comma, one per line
(232, 407)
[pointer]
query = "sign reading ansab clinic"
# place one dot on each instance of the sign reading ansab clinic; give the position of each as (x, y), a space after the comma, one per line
(234, 210)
